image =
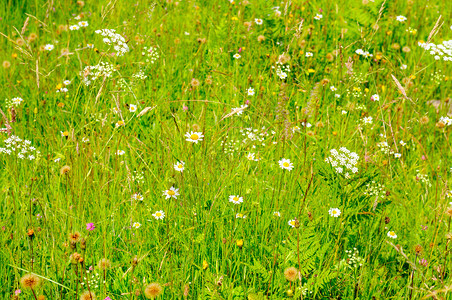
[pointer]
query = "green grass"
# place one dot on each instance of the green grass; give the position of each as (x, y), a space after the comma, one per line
(203, 248)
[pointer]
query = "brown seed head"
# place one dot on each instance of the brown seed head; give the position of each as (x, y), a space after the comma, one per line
(449, 212)
(418, 249)
(31, 233)
(440, 124)
(64, 170)
(30, 281)
(88, 296)
(74, 237)
(153, 290)
(6, 64)
(104, 264)
(424, 120)
(75, 257)
(194, 82)
(291, 273)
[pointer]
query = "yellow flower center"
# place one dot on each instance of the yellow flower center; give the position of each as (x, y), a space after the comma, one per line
(158, 214)
(171, 192)
(285, 164)
(292, 223)
(194, 136)
(235, 199)
(392, 233)
(334, 212)
(179, 166)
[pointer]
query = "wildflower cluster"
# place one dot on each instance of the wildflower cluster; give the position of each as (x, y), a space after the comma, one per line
(138, 177)
(20, 148)
(353, 260)
(361, 52)
(14, 102)
(77, 26)
(385, 148)
(375, 189)
(343, 160)
(282, 70)
(93, 280)
(150, 53)
(115, 39)
(139, 75)
(439, 51)
(423, 178)
(446, 121)
(91, 73)
(252, 137)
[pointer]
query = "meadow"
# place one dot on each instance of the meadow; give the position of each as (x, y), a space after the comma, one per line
(223, 149)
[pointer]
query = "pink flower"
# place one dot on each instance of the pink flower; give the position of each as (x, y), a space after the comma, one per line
(240, 49)
(17, 292)
(247, 102)
(90, 226)
(108, 298)
(91, 268)
(423, 157)
(185, 108)
(423, 262)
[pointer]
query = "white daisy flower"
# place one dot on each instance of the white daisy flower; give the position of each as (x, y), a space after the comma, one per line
(74, 27)
(83, 24)
(194, 137)
(285, 164)
(132, 108)
(171, 193)
(49, 47)
(292, 223)
(258, 21)
(137, 196)
(179, 166)
(159, 215)
(392, 234)
(235, 199)
(401, 18)
(136, 225)
(250, 156)
(334, 212)
(236, 56)
(250, 91)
